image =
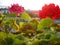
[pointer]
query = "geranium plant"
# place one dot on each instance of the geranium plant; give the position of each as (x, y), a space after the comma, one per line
(19, 10)
(50, 11)
(15, 8)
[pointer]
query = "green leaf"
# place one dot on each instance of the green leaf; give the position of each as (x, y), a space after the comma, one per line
(22, 38)
(13, 36)
(25, 16)
(36, 41)
(29, 43)
(2, 35)
(44, 23)
(21, 24)
(7, 41)
(18, 42)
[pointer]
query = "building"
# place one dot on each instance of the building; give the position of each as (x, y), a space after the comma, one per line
(4, 9)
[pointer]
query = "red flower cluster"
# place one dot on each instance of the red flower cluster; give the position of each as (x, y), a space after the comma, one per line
(50, 11)
(15, 8)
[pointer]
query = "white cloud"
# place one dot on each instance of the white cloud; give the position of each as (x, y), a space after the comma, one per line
(29, 4)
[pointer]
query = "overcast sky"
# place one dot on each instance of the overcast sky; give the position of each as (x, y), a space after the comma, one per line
(29, 4)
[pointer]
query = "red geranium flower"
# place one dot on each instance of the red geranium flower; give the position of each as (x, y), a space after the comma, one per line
(50, 11)
(15, 8)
